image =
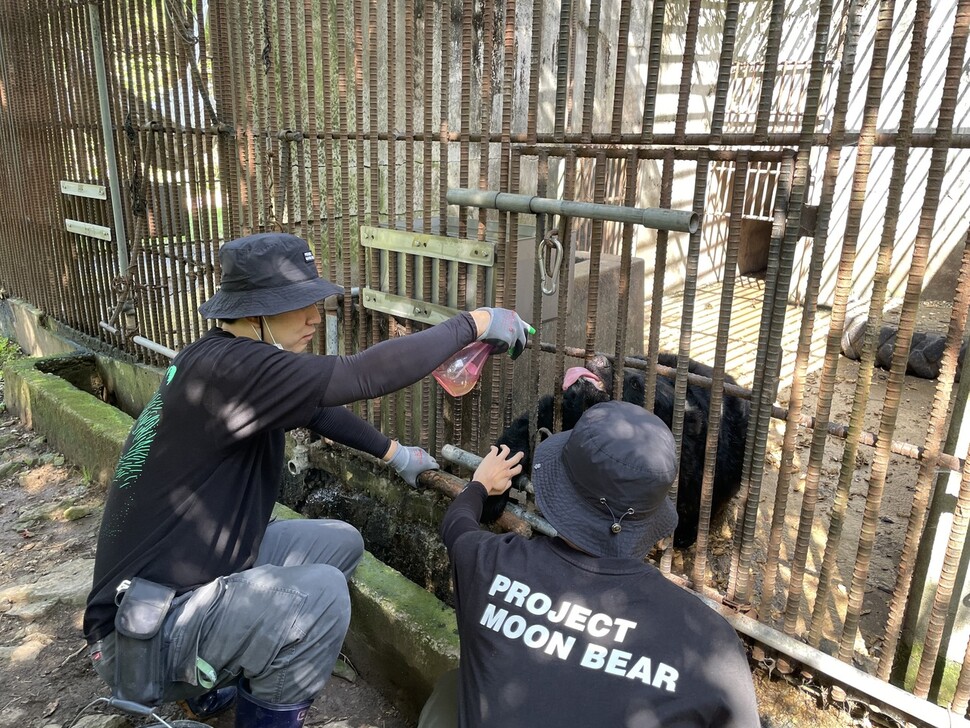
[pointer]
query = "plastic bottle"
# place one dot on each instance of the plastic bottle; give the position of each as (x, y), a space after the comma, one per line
(459, 374)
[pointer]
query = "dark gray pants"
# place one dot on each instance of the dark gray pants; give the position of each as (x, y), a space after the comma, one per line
(279, 624)
(441, 709)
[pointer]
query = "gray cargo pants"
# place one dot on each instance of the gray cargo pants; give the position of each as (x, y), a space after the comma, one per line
(279, 624)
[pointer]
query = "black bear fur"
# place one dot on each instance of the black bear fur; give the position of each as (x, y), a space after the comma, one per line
(585, 392)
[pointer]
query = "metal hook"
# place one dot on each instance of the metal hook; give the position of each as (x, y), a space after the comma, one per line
(549, 254)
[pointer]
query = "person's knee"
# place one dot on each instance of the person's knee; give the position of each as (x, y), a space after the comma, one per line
(327, 607)
(351, 546)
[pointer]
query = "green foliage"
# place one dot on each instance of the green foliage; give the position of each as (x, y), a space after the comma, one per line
(8, 350)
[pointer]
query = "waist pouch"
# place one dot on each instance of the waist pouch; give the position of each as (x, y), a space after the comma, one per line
(139, 662)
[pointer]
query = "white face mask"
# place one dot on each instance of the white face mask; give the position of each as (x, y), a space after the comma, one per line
(259, 336)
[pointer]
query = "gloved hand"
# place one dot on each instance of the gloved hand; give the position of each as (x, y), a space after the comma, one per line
(410, 462)
(506, 331)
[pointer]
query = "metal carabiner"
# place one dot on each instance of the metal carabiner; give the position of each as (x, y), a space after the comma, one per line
(549, 248)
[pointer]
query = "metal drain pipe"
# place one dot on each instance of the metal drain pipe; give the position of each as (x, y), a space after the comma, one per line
(142, 341)
(917, 710)
(658, 218)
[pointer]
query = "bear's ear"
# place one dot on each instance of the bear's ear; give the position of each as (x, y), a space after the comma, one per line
(633, 387)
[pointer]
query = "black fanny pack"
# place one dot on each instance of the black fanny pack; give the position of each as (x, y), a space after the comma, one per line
(139, 659)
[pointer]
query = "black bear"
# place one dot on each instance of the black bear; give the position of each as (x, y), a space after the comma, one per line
(583, 387)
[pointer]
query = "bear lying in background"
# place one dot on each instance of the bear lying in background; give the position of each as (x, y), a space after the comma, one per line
(583, 387)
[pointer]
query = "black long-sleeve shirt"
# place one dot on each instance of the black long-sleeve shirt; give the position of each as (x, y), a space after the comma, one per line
(200, 471)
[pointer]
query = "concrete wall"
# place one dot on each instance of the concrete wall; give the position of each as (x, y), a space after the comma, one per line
(120, 380)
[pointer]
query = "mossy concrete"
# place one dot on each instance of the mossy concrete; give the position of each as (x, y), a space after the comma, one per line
(129, 386)
(87, 431)
(121, 379)
(401, 637)
(35, 333)
(399, 523)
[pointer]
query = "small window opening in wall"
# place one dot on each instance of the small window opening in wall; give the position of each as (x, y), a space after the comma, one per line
(756, 219)
(760, 189)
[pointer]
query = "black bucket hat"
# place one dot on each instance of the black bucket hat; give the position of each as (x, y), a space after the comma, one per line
(266, 274)
(603, 485)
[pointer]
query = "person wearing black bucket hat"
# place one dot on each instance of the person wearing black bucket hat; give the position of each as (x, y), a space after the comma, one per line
(251, 611)
(580, 630)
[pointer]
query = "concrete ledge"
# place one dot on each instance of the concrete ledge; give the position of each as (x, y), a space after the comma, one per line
(87, 431)
(401, 637)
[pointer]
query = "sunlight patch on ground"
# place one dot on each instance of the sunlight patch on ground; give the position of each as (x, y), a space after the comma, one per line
(743, 332)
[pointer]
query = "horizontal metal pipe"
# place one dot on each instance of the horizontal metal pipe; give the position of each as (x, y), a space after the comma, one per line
(470, 460)
(142, 341)
(919, 711)
(685, 221)
(153, 346)
(611, 145)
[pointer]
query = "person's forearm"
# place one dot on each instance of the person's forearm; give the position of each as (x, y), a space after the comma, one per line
(341, 425)
(390, 365)
(463, 513)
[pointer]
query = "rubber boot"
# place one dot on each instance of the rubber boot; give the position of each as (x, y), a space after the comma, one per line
(251, 712)
(210, 704)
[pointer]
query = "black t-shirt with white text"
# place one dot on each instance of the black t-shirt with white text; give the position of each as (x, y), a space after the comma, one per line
(552, 636)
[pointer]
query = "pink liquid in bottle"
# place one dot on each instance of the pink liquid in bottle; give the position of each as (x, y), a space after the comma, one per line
(459, 374)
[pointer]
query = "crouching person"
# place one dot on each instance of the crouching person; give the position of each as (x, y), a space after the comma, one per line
(196, 595)
(579, 630)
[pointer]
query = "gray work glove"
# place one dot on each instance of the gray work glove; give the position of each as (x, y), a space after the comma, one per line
(410, 462)
(506, 331)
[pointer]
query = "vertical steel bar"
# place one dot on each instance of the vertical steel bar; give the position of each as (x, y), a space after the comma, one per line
(532, 114)
(427, 124)
(595, 259)
(653, 71)
(931, 200)
(543, 228)
(686, 328)
(374, 180)
(631, 169)
(562, 70)
(619, 81)
(803, 350)
(444, 430)
(687, 69)
(724, 68)
(569, 186)
(720, 355)
(659, 272)
(107, 134)
(772, 49)
(589, 86)
(346, 234)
